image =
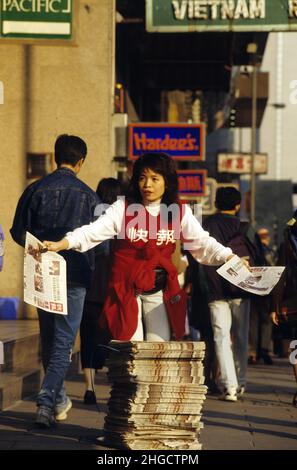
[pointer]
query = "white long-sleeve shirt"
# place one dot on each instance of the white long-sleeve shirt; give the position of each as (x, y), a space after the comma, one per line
(204, 248)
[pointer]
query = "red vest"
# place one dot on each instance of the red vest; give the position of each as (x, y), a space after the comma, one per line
(135, 258)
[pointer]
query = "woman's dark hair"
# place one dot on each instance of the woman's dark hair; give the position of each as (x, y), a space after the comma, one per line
(159, 163)
(108, 190)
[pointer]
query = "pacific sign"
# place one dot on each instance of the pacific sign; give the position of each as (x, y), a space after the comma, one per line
(221, 15)
(26, 19)
(179, 141)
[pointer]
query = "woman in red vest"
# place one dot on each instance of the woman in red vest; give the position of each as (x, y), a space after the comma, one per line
(144, 300)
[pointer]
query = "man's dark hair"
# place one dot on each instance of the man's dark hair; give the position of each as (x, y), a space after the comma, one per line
(69, 149)
(227, 198)
(159, 163)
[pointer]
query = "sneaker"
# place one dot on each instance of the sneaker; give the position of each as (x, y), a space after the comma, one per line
(45, 417)
(90, 398)
(228, 396)
(266, 359)
(240, 390)
(213, 389)
(61, 410)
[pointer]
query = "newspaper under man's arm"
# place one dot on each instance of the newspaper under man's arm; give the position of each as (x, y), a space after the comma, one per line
(44, 277)
(257, 280)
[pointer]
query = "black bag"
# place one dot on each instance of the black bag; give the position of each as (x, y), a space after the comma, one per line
(245, 243)
(287, 294)
(160, 282)
(288, 311)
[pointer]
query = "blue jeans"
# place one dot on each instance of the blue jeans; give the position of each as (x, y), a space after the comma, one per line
(58, 333)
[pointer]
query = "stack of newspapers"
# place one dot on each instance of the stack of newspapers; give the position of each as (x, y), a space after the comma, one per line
(157, 395)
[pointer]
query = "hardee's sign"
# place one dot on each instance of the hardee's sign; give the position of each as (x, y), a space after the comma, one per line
(179, 141)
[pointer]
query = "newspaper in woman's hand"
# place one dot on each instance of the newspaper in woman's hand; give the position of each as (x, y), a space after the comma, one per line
(258, 280)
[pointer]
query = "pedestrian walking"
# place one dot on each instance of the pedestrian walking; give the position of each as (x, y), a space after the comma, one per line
(49, 208)
(229, 306)
(284, 296)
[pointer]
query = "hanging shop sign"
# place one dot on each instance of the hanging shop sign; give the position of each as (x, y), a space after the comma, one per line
(221, 15)
(179, 141)
(206, 202)
(37, 19)
(191, 182)
(240, 163)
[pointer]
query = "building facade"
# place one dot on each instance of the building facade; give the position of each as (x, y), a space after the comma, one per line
(49, 90)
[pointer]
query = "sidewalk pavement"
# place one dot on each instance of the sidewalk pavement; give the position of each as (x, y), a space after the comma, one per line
(263, 418)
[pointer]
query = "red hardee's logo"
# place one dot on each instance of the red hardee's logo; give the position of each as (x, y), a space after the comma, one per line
(179, 141)
(144, 143)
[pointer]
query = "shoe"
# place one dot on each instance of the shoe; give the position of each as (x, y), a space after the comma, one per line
(45, 417)
(266, 359)
(228, 396)
(294, 402)
(213, 389)
(252, 360)
(90, 398)
(61, 410)
(240, 390)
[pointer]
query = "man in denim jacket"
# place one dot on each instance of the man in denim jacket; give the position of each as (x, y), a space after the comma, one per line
(49, 208)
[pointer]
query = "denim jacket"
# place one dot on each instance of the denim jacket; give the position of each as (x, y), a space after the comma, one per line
(53, 206)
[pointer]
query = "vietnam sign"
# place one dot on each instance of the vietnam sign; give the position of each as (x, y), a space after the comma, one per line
(179, 141)
(220, 15)
(241, 163)
(28, 19)
(191, 182)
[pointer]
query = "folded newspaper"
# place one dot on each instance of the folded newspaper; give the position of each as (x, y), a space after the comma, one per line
(44, 277)
(259, 280)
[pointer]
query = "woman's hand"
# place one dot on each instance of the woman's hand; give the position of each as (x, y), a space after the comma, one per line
(230, 257)
(274, 318)
(244, 260)
(56, 246)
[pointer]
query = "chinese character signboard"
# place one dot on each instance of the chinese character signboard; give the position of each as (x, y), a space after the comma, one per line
(37, 19)
(179, 141)
(241, 163)
(191, 182)
(207, 201)
(220, 15)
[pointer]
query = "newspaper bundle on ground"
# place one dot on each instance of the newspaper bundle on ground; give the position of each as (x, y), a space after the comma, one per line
(44, 277)
(157, 395)
(260, 280)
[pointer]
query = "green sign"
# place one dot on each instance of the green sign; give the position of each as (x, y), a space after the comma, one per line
(27, 19)
(221, 15)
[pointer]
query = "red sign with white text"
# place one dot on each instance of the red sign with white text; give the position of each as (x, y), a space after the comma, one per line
(191, 182)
